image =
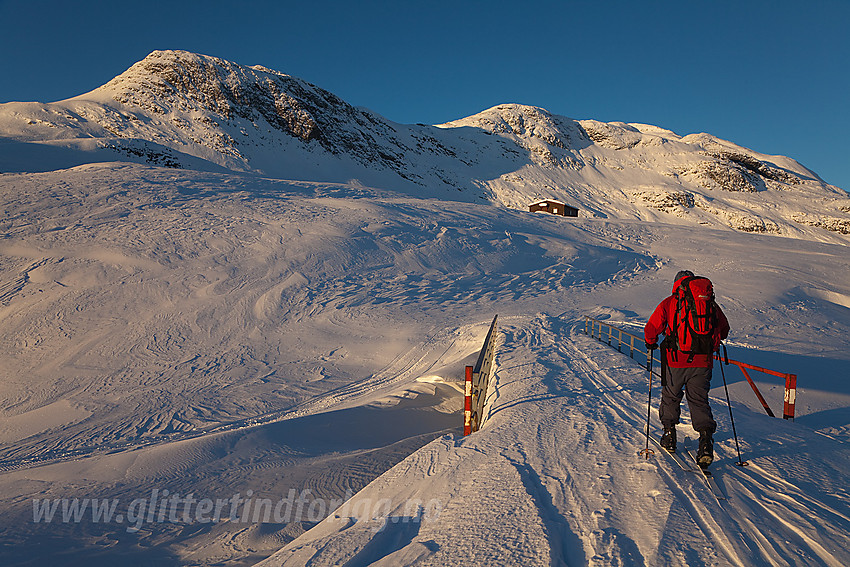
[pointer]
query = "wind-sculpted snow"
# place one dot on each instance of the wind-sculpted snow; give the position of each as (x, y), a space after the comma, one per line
(239, 316)
(554, 478)
(211, 333)
(152, 278)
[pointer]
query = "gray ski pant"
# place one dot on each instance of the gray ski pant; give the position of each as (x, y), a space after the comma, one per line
(693, 382)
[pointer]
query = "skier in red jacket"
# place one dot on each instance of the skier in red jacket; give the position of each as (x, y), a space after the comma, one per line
(684, 371)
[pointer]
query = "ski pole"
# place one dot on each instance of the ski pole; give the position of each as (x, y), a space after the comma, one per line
(647, 451)
(740, 462)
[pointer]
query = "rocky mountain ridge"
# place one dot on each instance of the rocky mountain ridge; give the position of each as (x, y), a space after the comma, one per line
(180, 109)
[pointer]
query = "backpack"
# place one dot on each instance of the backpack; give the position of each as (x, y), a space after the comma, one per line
(695, 318)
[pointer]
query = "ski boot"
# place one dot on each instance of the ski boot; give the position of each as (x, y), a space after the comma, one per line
(668, 439)
(705, 453)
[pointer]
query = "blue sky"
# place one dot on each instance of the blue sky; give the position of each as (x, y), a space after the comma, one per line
(770, 75)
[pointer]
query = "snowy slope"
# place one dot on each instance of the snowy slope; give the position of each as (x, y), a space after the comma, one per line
(554, 479)
(212, 330)
(158, 325)
(179, 109)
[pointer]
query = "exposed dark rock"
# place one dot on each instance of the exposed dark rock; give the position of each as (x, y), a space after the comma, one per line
(758, 167)
(610, 135)
(730, 176)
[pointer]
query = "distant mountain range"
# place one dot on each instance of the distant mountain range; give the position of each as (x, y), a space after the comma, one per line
(180, 109)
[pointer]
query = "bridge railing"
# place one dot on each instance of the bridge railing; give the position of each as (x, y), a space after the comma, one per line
(636, 345)
(477, 380)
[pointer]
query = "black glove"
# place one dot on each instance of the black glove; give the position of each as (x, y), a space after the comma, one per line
(651, 346)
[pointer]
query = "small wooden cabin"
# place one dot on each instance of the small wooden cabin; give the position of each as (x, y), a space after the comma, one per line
(554, 207)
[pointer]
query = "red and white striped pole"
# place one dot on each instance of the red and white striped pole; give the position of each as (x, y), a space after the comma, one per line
(467, 403)
(790, 396)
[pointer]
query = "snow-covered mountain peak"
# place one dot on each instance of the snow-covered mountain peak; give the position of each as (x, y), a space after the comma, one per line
(526, 122)
(181, 109)
(179, 82)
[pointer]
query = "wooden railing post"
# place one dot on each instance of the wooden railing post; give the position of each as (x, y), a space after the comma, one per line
(756, 390)
(467, 402)
(790, 396)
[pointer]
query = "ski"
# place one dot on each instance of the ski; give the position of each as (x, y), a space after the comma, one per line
(706, 474)
(675, 456)
(691, 465)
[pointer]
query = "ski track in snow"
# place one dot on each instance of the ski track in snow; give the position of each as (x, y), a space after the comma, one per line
(219, 333)
(554, 477)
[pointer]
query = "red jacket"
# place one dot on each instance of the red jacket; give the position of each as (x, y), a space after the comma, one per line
(661, 323)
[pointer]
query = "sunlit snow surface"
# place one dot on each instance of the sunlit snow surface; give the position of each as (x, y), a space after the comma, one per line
(148, 313)
(222, 286)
